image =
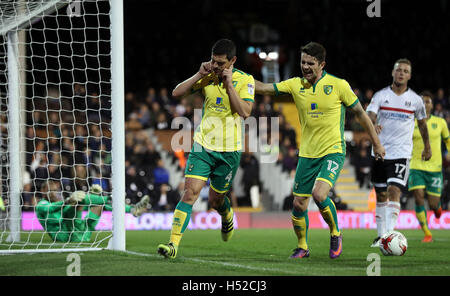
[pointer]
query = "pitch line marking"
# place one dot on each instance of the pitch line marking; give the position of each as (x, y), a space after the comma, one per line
(219, 263)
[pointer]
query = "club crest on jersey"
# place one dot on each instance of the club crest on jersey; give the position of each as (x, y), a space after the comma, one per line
(313, 106)
(218, 100)
(434, 125)
(408, 104)
(327, 89)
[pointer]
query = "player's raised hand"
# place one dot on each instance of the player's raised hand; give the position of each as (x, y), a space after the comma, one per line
(205, 68)
(227, 74)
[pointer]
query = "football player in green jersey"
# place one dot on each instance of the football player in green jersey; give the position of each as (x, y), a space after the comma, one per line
(62, 219)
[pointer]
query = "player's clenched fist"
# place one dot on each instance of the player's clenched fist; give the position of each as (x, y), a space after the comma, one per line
(205, 68)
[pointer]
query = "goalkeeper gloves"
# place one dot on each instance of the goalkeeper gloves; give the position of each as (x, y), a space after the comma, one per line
(96, 189)
(76, 197)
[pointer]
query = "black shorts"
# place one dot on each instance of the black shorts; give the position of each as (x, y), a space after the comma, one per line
(390, 172)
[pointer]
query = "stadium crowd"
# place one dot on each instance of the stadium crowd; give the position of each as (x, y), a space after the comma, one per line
(75, 147)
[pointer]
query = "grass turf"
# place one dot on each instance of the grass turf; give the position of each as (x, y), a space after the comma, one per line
(251, 252)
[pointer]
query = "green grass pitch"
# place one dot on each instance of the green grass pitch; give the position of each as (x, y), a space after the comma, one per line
(251, 252)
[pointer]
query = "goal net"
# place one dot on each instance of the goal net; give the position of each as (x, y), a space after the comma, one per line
(56, 127)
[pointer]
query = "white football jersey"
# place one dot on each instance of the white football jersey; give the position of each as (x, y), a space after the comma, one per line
(396, 116)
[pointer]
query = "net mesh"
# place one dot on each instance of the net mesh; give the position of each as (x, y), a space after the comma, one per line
(65, 119)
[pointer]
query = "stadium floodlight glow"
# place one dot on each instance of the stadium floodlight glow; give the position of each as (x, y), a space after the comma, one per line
(56, 90)
(273, 55)
(262, 55)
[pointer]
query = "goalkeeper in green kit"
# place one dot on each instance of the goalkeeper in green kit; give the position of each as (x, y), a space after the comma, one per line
(62, 219)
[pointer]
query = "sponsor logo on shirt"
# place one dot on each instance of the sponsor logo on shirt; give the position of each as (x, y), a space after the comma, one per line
(314, 111)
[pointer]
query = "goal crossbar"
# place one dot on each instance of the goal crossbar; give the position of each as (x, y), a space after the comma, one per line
(27, 14)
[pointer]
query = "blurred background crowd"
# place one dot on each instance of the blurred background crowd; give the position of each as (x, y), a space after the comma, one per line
(69, 139)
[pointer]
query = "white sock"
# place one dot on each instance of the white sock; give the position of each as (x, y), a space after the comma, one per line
(392, 211)
(380, 217)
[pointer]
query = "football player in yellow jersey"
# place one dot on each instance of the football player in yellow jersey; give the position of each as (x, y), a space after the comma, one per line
(321, 100)
(216, 152)
(426, 176)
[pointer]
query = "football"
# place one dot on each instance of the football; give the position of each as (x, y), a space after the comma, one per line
(393, 243)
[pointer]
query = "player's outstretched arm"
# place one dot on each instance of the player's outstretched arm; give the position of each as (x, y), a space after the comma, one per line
(426, 154)
(367, 124)
(184, 87)
(264, 88)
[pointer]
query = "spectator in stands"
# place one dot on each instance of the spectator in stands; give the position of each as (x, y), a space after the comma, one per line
(54, 124)
(27, 193)
(54, 171)
(38, 167)
(134, 184)
(164, 99)
(180, 108)
(160, 173)
(162, 122)
(363, 163)
(79, 96)
(138, 154)
(144, 116)
(151, 96)
(95, 137)
(105, 108)
(93, 105)
(287, 131)
(439, 110)
(368, 94)
(441, 98)
(151, 156)
(130, 103)
(189, 113)
(81, 178)
(250, 177)
(358, 93)
(165, 199)
(289, 162)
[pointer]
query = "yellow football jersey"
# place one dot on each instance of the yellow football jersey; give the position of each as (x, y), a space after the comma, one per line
(321, 111)
(437, 131)
(220, 129)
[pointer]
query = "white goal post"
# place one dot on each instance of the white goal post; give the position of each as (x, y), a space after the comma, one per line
(61, 114)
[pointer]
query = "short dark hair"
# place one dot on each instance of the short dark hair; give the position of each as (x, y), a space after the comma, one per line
(224, 46)
(426, 93)
(316, 50)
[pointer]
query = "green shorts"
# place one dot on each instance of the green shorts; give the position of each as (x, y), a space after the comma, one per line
(219, 167)
(326, 168)
(430, 181)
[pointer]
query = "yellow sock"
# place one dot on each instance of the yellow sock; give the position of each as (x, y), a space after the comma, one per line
(181, 217)
(300, 223)
(328, 211)
(421, 215)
